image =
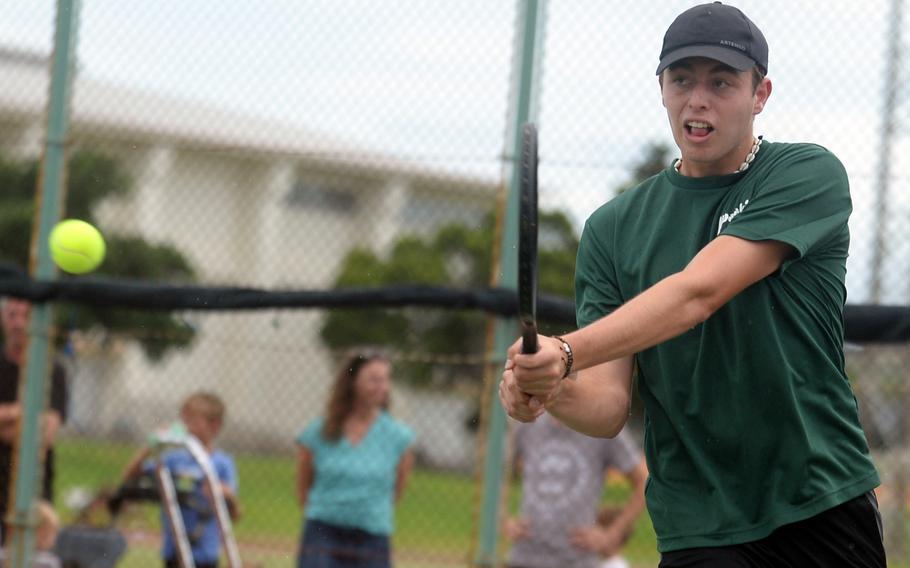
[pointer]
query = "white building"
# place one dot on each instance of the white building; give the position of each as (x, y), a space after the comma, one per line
(250, 203)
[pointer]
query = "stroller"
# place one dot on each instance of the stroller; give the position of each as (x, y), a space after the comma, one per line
(83, 545)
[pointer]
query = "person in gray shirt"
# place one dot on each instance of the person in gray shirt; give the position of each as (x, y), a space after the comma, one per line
(563, 477)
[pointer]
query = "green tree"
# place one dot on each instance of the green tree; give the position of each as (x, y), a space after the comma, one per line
(655, 158)
(456, 255)
(93, 177)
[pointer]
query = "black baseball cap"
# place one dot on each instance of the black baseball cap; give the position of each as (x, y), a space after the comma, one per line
(715, 31)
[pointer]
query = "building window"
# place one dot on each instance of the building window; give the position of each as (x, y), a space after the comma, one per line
(309, 195)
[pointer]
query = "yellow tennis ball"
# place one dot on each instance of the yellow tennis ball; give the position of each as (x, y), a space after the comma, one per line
(76, 246)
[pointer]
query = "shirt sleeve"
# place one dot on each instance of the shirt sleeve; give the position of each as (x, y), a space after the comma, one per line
(172, 459)
(309, 438)
(596, 290)
(804, 202)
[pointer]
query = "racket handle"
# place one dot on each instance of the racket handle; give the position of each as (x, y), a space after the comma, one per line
(529, 337)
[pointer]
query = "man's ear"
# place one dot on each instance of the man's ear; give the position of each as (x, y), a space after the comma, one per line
(660, 82)
(762, 94)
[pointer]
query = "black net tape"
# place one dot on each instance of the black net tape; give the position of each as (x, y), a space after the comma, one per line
(863, 323)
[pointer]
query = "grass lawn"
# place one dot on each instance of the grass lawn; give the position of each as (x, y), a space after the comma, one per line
(434, 521)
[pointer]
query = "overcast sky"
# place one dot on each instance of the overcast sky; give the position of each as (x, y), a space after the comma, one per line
(428, 79)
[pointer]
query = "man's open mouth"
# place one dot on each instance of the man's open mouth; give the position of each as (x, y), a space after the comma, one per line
(698, 128)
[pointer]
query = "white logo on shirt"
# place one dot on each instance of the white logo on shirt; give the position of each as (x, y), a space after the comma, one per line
(727, 217)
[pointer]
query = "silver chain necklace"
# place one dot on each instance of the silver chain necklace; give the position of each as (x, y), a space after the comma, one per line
(750, 157)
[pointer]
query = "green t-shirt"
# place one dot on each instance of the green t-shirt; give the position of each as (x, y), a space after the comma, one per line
(750, 422)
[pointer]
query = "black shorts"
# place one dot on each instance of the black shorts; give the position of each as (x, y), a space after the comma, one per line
(846, 536)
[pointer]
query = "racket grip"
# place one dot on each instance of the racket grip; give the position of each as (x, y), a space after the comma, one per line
(529, 337)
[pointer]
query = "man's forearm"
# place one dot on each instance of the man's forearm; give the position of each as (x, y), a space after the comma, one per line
(669, 308)
(679, 302)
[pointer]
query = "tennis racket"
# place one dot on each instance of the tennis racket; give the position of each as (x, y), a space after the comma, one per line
(527, 240)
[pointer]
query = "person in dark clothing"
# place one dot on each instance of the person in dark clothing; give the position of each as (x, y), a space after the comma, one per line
(14, 319)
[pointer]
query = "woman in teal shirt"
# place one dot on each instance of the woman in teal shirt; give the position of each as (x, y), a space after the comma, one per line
(352, 467)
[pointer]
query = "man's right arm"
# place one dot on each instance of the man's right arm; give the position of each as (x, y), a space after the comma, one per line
(595, 402)
(672, 306)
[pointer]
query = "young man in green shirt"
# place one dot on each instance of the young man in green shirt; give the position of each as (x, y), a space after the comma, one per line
(722, 278)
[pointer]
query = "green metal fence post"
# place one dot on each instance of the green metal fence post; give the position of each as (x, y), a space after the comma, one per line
(522, 108)
(33, 391)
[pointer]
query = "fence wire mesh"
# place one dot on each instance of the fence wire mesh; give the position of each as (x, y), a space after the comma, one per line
(314, 145)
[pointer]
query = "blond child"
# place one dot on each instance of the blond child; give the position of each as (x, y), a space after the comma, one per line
(202, 415)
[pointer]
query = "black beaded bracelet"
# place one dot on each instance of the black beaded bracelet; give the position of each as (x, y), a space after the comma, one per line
(570, 357)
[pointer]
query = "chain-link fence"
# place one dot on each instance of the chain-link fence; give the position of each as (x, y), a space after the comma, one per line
(315, 145)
